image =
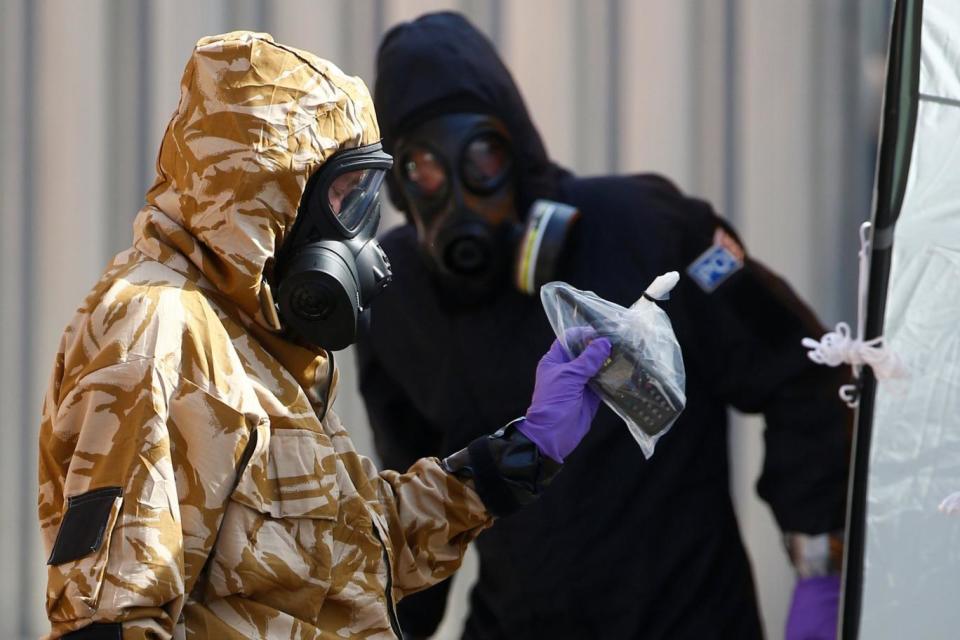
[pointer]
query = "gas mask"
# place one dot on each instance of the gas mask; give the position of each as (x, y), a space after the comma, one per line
(330, 266)
(457, 176)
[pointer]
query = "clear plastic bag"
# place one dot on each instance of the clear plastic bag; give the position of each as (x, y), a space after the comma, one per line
(644, 380)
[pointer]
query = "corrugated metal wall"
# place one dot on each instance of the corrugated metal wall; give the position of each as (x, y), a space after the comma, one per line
(757, 105)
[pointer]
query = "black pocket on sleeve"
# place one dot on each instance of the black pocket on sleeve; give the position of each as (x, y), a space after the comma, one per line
(84, 524)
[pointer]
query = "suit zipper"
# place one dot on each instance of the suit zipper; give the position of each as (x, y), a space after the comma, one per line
(391, 608)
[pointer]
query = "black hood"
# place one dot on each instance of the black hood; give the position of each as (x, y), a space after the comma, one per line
(440, 64)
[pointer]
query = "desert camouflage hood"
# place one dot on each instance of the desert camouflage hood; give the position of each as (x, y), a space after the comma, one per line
(255, 120)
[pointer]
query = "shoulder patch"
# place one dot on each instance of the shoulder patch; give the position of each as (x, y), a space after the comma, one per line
(720, 261)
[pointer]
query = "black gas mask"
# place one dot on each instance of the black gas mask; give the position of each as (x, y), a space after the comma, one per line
(330, 266)
(458, 179)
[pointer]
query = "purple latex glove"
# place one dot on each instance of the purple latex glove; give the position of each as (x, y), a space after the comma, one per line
(814, 610)
(563, 406)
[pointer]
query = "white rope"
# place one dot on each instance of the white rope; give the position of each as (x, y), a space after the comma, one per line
(840, 347)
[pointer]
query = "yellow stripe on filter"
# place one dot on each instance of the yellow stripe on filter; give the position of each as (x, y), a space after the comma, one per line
(526, 246)
(532, 242)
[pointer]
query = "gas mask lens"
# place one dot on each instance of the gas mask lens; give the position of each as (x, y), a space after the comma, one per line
(486, 162)
(350, 194)
(423, 170)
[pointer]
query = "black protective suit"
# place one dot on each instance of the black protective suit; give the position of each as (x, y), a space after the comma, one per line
(620, 546)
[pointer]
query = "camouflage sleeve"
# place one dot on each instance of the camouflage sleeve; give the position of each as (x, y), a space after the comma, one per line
(437, 508)
(431, 516)
(136, 466)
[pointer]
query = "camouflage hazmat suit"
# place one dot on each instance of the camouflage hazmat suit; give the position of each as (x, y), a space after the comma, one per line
(193, 482)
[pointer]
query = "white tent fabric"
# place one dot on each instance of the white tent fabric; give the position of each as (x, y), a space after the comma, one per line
(911, 575)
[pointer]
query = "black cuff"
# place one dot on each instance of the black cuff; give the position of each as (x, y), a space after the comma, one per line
(97, 631)
(506, 468)
(491, 486)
